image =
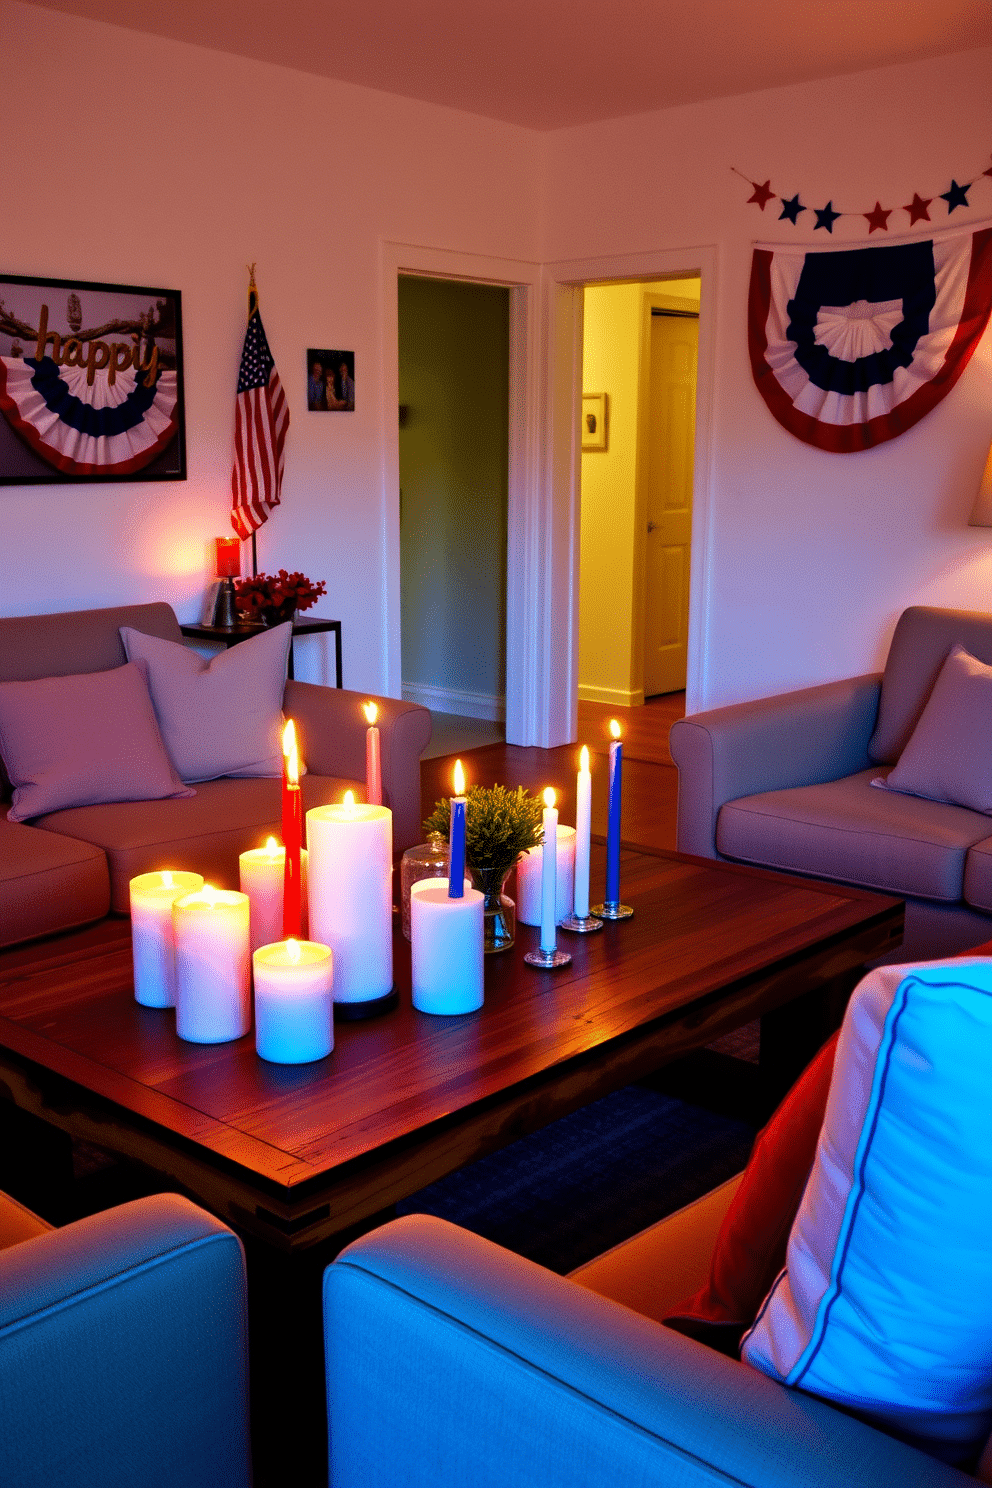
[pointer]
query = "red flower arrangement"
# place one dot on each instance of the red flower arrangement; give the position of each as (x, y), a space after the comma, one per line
(272, 598)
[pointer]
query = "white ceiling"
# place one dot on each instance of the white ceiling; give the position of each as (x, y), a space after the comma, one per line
(553, 63)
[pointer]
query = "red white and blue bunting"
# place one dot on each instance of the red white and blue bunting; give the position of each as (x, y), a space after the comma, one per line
(85, 421)
(852, 346)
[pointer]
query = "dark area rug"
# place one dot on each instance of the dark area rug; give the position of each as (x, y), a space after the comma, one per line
(568, 1192)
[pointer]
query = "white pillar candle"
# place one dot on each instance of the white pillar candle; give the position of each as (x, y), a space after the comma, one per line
(294, 1001)
(262, 872)
(529, 871)
(213, 966)
(351, 895)
(447, 955)
(152, 939)
(549, 873)
(583, 830)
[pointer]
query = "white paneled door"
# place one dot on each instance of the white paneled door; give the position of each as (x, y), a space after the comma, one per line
(671, 438)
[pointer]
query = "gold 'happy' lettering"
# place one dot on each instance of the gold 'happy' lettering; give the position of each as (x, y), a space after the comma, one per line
(115, 357)
(120, 360)
(150, 368)
(44, 336)
(96, 361)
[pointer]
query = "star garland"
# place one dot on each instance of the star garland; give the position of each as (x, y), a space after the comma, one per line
(918, 210)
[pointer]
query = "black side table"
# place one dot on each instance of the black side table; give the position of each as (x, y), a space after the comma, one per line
(230, 635)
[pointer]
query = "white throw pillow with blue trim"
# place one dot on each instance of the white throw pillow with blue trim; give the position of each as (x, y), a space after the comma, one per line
(885, 1303)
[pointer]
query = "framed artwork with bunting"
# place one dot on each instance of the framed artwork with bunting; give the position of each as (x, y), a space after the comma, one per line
(91, 382)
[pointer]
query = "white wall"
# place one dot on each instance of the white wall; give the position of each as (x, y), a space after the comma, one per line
(131, 159)
(812, 555)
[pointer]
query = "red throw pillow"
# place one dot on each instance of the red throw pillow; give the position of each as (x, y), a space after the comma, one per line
(750, 1248)
(985, 949)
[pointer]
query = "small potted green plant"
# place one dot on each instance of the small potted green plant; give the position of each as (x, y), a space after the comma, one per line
(500, 825)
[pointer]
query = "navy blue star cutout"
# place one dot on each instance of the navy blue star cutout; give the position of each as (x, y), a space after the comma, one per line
(957, 196)
(826, 216)
(791, 208)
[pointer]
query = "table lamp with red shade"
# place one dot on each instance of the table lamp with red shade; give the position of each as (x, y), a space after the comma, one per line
(228, 568)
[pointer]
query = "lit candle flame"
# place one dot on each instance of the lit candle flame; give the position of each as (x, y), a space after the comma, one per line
(209, 894)
(349, 800)
(549, 797)
(167, 879)
(584, 760)
(614, 728)
(371, 711)
(459, 779)
(293, 951)
(291, 752)
(272, 848)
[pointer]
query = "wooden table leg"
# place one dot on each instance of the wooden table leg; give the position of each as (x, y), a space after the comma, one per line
(792, 1034)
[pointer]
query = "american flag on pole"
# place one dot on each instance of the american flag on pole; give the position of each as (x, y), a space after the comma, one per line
(261, 418)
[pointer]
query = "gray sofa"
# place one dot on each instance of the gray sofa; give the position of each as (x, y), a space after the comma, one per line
(71, 867)
(785, 783)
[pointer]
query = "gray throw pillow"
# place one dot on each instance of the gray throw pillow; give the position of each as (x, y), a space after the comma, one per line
(949, 753)
(222, 716)
(83, 741)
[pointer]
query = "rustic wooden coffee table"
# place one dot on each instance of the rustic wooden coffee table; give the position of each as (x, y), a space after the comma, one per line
(298, 1155)
(298, 1159)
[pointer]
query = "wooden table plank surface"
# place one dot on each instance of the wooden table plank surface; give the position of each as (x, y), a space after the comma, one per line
(700, 929)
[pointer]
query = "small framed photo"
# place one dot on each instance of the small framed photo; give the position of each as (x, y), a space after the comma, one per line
(594, 421)
(330, 381)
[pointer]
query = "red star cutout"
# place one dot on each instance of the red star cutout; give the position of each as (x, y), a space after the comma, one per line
(879, 217)
(917, 209)
(762, 194)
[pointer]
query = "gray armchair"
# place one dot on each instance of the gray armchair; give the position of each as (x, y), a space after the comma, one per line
(123, 1350)
(452, 1363)
(785, 783)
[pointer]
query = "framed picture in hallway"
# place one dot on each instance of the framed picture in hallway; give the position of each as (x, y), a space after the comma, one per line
(330, 381)
(91, 382)
(594, 421)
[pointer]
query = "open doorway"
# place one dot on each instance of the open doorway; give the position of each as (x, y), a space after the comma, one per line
(640, 358)
(454, 350)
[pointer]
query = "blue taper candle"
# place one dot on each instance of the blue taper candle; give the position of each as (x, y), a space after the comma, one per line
(613, 821)
(456, 837)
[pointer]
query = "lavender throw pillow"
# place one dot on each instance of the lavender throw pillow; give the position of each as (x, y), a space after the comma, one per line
(222, 716)
(83, 741)
(948, 756)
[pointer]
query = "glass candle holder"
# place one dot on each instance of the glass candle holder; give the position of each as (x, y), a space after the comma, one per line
(427, 860)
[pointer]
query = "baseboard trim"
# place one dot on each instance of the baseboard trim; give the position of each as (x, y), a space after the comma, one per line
(612, 696)
(451, 700)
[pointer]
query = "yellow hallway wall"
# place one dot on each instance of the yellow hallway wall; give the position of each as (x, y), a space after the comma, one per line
(611, 584)
(610, 365)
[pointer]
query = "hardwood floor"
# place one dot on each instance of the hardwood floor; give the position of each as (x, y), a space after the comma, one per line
(650, 780)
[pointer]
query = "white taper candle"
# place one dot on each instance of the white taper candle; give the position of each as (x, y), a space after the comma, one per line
(583, 829)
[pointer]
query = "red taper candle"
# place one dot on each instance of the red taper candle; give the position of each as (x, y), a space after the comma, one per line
(292, 833)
